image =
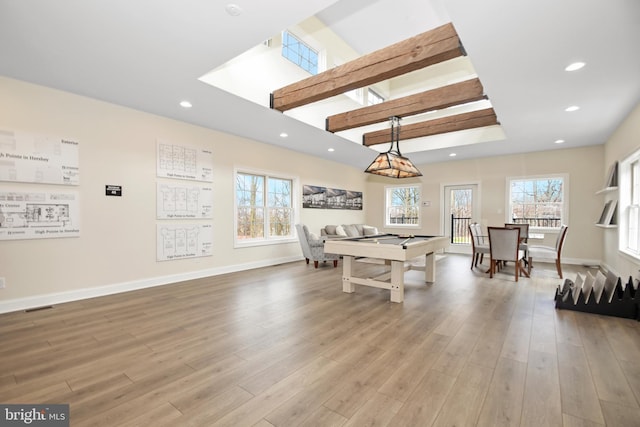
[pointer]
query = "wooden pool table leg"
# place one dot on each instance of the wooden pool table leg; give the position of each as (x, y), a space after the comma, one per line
(347, 285)
(397, 281)
(430, 267)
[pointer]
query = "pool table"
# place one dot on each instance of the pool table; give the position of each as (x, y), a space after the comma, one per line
(393, 249)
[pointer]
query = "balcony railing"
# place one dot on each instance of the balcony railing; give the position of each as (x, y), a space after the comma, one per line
(403, 220)
(460, 230)
(539, 222)
(460, 226)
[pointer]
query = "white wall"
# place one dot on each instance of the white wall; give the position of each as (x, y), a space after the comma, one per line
(238, 76)
(117, 247)
(624, 141)
(583, 165)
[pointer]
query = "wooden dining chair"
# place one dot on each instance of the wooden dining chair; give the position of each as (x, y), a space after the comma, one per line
(479, 246)
(524, 230)
(524, 237)
(504, 245)
(549, 253)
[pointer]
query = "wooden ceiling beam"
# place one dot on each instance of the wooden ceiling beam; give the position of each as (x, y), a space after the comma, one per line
(431, 47)
(474, 119)
(436, 99)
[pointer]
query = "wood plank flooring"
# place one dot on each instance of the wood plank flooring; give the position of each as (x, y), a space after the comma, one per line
(284, 346)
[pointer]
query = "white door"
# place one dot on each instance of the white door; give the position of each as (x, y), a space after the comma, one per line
(461, 208)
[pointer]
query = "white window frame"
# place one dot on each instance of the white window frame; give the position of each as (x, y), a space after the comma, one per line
(295, 207)
(564, 217)
(312, 44)
(356, 95)
(373, 95)
(387, 206)
(629, 205)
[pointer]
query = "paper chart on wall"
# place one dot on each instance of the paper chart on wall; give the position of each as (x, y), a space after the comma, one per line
(182, 162)
(182, 201)
(38, 215)
(45, 159)
(185, 240)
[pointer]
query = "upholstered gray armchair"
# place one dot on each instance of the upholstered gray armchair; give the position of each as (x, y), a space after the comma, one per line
(313, 247)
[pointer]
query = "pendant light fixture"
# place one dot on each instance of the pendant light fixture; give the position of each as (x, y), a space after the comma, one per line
(392, 163)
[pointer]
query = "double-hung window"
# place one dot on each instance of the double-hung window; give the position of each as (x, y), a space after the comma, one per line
(629, 205)
(264, 208)
(402, 206)
(539, 201)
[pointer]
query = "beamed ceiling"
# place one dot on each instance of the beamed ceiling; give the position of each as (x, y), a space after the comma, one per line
(416, 53)
(149, 55)
(454, 123)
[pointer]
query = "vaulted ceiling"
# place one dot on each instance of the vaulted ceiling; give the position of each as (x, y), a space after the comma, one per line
(149, 54)
(429, 48)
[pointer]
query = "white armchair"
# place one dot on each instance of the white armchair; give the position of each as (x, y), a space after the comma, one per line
(313, 247)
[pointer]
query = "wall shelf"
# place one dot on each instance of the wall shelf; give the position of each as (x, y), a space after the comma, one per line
(607, 225)
(609, 216)
(606, 190)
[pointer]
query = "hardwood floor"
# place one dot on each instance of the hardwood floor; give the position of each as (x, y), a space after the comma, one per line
(284, 346)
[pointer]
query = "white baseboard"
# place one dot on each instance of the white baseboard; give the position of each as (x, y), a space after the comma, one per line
(80, 294)
(581, 261)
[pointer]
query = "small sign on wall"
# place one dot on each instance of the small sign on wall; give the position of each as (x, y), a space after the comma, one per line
(113, 190)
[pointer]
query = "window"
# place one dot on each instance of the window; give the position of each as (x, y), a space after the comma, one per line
(356, 95)
(264, 208)
(629, 205)
(299, 53)
(538, 201)
(373, 98)
(402, 206)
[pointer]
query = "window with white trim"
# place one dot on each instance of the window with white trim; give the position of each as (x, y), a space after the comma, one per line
(264, 208)
(374, 98)
(539, 201)
(402, 206)
(629, 205)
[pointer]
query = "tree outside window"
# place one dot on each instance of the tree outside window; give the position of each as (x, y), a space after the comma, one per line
(539, 202)
(279, 207)
(403, 206)
(264, 207)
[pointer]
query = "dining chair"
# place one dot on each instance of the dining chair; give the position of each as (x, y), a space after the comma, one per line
(479, 246)
(524, 230)
(504, 245)
(549, 252)
(524, 237)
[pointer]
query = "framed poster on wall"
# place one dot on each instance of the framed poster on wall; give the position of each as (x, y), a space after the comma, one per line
(317, 197)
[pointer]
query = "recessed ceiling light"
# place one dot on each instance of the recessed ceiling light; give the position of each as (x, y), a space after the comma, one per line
(575, 66)
(559, 141)
(452, 155)
(572, 108)
(331, 150)
(233, 9)
(284, 135)
(185, 104)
